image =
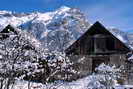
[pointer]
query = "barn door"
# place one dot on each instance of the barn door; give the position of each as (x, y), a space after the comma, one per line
(97, 61)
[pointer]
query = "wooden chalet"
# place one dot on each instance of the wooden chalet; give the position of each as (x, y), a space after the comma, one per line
(97, 45)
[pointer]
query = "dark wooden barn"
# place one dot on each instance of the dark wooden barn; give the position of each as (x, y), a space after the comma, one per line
(97, 45)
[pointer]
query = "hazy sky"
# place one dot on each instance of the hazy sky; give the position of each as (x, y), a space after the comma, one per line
(112, 13)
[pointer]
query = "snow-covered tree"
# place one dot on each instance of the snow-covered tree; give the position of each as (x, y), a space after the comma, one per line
(21, 56)
(61, 67)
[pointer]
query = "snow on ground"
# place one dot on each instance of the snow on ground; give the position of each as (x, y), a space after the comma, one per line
(124, 87)
(79, 84)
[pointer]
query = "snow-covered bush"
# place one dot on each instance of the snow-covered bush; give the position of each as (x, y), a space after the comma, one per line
(105, 77)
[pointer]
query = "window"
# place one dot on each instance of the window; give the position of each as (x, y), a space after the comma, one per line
(110, 44)
(103, 43)
(89, 46)
(100, 45)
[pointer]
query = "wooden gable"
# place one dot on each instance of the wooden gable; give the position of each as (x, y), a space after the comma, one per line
(97, 40)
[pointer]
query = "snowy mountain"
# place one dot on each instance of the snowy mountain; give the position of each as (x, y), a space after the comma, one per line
(48, 26)
(56, 30)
